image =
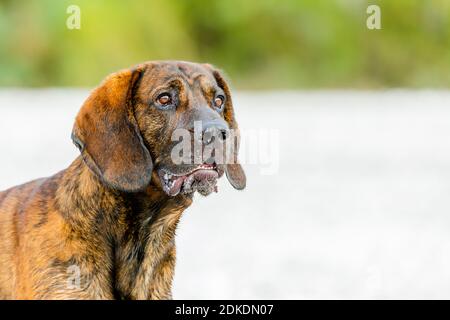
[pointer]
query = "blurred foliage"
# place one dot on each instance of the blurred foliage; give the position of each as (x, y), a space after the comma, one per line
(261, 44)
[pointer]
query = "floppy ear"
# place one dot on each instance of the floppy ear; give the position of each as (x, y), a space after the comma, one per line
(234, 171)
(108, 137)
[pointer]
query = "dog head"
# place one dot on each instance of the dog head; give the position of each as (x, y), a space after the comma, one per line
(137, 125)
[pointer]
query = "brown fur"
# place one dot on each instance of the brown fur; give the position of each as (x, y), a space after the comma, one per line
(107, 214)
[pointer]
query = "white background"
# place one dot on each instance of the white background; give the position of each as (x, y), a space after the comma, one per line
(359, 207)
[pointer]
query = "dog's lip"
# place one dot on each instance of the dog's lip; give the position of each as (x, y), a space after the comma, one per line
(173, 183)
(204, 166)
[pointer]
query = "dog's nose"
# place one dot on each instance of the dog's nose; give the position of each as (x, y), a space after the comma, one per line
(214, 130)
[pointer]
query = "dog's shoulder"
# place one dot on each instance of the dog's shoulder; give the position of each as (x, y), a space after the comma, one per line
(20, 193)
(29, 198)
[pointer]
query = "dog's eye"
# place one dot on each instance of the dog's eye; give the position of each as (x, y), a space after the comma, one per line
(218, 102)
(164, 99)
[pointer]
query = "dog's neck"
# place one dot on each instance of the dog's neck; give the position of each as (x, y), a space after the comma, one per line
(137, 229)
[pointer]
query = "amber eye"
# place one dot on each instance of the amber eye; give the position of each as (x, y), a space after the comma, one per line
(218, 101)
(164, 99)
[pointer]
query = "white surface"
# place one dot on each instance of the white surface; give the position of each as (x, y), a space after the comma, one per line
(359, 208)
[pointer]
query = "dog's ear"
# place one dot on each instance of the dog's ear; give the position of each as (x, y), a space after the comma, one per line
(108, 137)
(234, 171)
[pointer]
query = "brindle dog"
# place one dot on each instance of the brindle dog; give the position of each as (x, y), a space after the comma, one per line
(104, 227)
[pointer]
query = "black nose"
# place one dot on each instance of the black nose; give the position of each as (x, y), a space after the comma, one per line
(215, 130)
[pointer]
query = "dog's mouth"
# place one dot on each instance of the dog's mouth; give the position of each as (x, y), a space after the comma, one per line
(202, 179)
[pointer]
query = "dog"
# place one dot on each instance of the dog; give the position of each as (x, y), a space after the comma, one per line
(104, 227)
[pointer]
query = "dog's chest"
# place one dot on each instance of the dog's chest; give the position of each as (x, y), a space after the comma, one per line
(145, 261)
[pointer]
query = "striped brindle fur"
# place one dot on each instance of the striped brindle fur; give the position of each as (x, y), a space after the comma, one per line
(104, 228)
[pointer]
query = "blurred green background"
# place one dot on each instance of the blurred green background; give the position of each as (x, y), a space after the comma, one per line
(261, 44)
